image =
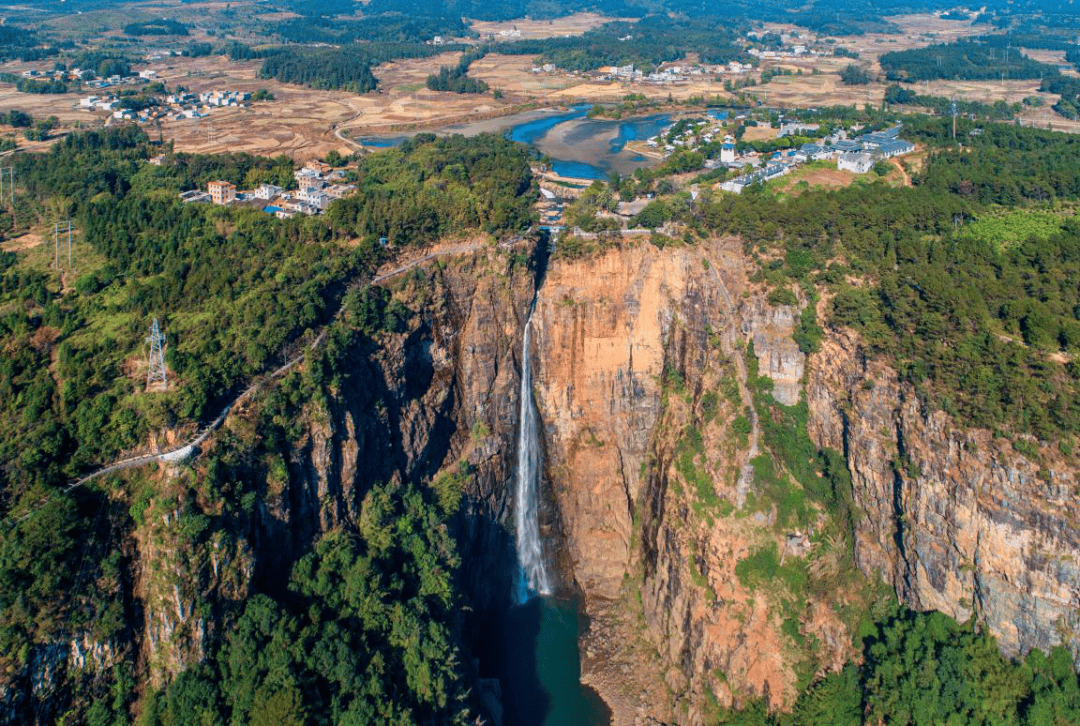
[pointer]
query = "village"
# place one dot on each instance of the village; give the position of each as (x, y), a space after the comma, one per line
(857, 155)
(853, 153)
(665, 73)
(176, 107)
(318, 184)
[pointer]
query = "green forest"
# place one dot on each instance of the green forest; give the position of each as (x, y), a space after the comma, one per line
(971, 324)
(924, 668)
(365, 627)
(645, 43)
(456, 79)
(967, 60)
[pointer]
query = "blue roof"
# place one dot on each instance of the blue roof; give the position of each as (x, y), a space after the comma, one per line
(271, 209)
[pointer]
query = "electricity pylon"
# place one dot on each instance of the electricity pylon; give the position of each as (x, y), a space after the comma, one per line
(155, 373)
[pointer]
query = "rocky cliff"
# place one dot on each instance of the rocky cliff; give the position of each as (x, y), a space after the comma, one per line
(709, 572)
(654, 454)
(957, 520)
(642, 385)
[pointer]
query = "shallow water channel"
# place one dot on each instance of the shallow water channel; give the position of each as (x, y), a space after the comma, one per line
(579, 147)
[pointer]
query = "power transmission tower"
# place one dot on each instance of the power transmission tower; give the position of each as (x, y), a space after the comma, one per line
(155, 373)
(954, 118)
(59, 230)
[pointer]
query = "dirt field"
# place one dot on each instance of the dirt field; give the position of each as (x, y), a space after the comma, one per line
(814, 178)
(570, 25)
(302, 122)
(759, 133)
(916, 31)
(307, 123)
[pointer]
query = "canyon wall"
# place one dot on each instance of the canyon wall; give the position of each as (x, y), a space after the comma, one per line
(659, 485)
(632, 347)
(955, 519)
(660, 498)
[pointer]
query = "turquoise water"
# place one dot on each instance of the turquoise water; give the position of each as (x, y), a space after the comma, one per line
(539, 667)
(381, 142)
(588, 164)
(532, 131)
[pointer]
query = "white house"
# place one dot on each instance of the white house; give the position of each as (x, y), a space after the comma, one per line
(856, 162)
(268, 191)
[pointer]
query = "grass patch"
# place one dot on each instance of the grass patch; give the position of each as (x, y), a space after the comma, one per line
(707, 501)
(1010, 228)
(774, 487)
(762, 567)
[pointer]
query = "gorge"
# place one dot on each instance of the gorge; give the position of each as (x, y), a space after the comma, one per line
(649, 364)
(595, 479)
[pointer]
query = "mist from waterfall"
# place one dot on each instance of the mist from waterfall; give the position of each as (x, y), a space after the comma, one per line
(533, 577)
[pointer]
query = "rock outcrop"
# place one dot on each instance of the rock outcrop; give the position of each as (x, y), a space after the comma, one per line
(630, 346)
(647, 473)
(955, 519)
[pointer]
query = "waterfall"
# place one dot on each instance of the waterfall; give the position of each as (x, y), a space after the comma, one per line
(533, 576)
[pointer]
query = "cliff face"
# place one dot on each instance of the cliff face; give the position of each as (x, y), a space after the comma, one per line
(659, 502)
(444, 392)
(658, 485)
(956, 520)
(640, 382)
(412, 404)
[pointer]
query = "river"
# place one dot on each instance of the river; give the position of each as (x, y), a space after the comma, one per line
(579, 147)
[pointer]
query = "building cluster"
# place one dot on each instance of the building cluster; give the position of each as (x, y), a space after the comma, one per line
(796, 51)
(176, 107)
(179, 106)
(665, 73)
(690, 136)
(85, 77)
(857, 155)
(791, 46)
(318, 185)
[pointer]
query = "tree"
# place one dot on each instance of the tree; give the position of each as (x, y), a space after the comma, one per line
(854, 75)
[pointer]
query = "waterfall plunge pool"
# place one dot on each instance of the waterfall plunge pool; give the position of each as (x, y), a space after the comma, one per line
(534, 654)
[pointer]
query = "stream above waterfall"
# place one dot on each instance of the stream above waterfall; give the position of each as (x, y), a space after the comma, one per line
(579, 146)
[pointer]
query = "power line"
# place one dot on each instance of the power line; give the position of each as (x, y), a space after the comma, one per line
(59, 230)
(10, 171)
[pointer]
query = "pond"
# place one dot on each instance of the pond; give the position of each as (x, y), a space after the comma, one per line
(533, 650)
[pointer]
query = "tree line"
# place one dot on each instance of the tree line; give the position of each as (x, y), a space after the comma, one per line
(964, 59)
(457, 79)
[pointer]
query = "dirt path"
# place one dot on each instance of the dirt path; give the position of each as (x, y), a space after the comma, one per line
(903, 171)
